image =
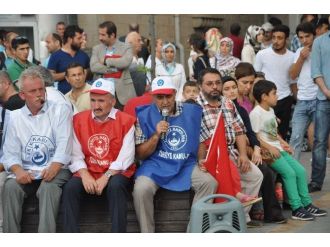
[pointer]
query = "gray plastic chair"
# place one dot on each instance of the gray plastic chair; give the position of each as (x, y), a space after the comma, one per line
(225, 217)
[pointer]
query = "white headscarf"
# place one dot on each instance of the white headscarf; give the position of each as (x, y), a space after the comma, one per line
(168, 66)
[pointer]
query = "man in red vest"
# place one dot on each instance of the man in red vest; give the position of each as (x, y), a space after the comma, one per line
(102, 158)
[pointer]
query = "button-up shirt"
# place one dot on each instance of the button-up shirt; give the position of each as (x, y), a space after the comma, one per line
(321, 61)
(233, 122)
(35, 141)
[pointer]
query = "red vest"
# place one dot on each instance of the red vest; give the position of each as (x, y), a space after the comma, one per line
(101, 142)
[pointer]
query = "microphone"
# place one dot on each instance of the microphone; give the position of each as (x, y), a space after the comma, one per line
(165, 113)
(42, 101)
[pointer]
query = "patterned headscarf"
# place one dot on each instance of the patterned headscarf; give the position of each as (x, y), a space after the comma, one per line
(213, 37)
(168, 66)
(226, 64)
(251, 37)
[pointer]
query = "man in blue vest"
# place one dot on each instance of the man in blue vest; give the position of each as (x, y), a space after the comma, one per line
(167, 142)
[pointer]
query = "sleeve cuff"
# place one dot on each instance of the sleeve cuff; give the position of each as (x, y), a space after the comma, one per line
(7, 165)
(77, 165)
(64, 159)
(117, 165)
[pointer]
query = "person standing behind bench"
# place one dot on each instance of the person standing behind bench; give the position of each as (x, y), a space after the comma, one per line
(168, 150)
(102, 158)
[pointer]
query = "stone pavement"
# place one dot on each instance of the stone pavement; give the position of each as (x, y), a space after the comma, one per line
(320, 199)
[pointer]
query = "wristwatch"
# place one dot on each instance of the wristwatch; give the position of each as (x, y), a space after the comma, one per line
(108, 174)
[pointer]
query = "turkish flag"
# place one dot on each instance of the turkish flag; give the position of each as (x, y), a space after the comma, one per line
(219, 165)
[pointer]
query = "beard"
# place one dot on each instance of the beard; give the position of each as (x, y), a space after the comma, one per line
(75, 47)
(215, 95)
(278, 48)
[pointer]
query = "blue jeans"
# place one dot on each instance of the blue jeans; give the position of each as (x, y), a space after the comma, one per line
(303, 115)
(321, 133)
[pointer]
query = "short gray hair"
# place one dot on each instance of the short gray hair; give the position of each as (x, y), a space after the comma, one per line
(46, 75)
(29, 73)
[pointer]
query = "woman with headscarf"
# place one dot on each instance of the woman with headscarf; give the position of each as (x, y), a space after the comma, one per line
(252, 43)
(225, 61)
(169, 68)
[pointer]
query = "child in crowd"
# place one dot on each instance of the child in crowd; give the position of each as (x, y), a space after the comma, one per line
(278, 185)
(190, 91)
(264, 124)
(271, 210)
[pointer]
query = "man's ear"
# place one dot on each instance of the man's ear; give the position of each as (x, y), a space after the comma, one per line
(113, 101)
(21, 94)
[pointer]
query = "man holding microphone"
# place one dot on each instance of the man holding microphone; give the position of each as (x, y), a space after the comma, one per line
(167, 143)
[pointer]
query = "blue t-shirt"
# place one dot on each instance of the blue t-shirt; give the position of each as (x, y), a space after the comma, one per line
(60, 60)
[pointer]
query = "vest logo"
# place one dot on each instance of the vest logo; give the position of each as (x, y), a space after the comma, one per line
(160, 82)
(39, 150)
(98, 145)
(176, 138)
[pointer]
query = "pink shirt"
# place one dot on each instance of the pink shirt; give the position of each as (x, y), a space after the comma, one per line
(246, 104)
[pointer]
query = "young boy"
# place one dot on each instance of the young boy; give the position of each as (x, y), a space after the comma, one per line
(264, 123)
(190, 91)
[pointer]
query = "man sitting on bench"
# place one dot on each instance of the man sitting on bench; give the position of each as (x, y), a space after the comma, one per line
(102, 158)
(167, 142)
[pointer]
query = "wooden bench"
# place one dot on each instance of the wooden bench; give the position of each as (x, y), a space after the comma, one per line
(172, 210)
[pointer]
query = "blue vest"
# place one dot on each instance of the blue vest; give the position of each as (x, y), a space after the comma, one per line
(173, 161)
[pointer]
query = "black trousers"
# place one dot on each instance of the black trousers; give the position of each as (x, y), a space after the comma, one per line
(283, 110)
(117, 192)
(272, 208)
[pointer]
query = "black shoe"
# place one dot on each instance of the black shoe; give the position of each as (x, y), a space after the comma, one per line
(277, 219)
(315, 211)
(302, 214)
(254, 224)
(313, 187)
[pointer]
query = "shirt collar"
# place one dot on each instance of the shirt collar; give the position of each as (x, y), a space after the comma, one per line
(112, 115)
(27, 111)
(22, 65)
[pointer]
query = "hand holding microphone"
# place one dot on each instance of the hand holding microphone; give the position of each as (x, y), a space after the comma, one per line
(162, 126)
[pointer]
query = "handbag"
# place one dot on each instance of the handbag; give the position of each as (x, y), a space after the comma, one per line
(266, 156)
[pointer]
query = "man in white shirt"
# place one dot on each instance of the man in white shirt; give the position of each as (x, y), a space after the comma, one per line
(275, 63)
(304, 110)
(36, 152)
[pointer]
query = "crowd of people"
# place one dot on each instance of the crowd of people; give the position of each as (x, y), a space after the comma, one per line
(77, 125)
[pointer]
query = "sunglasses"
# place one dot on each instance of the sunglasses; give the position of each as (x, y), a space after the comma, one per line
(20, 37)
